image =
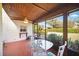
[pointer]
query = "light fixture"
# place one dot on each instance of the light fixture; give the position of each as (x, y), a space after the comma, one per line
(26, 20)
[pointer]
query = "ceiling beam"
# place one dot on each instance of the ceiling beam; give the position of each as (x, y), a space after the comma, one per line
(39, 7)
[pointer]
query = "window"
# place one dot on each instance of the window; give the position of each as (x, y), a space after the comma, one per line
(54, 30)
(73, 31)
(41, 29)
(35, 29)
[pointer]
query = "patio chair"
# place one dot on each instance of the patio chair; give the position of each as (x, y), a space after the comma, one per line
(60, 51)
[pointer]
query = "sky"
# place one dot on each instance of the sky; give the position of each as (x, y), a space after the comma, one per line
(74, 16)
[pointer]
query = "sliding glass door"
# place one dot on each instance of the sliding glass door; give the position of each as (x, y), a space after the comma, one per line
(73, 31)
(54, 31)
(41, 30)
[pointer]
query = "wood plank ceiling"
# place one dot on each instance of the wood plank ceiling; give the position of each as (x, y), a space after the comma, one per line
(32, 11)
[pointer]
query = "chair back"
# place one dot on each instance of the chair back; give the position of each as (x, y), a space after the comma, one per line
(61, 49)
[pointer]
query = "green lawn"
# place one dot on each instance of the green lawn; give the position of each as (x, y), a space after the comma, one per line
(70, 30)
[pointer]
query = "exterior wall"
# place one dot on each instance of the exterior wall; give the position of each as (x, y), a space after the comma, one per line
(29, 29)
(11, 28)
(21, 25)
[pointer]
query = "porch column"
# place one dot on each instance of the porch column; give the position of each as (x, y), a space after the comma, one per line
(65, 31)
(65, 26)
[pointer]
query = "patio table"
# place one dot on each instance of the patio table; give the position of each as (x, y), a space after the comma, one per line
(41, 46)
(44, 44)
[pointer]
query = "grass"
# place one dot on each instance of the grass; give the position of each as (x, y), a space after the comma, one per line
(70, 30)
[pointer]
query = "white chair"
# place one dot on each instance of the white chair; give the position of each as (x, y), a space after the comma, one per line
(61, 50)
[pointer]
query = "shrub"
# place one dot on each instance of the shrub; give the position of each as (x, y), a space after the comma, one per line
(55, 39)
(52, 37)
(73, 44)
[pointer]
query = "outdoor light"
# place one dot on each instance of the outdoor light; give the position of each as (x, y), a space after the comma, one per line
(26, 20)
